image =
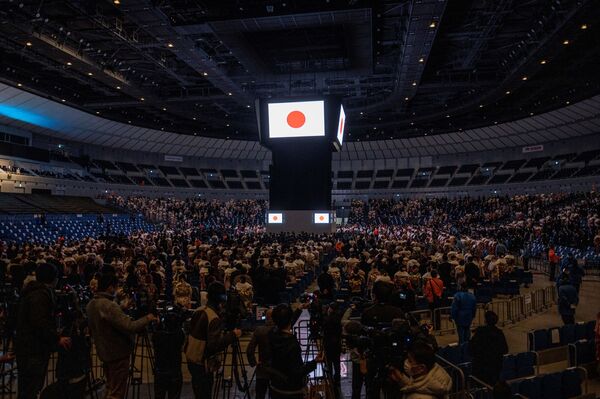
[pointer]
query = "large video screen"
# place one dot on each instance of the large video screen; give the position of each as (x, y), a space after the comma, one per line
(297, 119)
(321, 217)
(341, 125)
(275, 218)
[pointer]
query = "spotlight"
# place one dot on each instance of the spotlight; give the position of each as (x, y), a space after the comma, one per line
(69, 63)
(432, 24)
(543, 62)
(566, 42)
(170, 45)
(583, 27)
(90, 74)
(117, 2)
(28, 44)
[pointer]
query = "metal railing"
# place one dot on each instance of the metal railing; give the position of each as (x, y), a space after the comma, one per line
(509, 311)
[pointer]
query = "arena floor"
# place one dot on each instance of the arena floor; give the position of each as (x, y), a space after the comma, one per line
(516, 335)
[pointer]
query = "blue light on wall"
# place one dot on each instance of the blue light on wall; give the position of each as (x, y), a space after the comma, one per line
(26, 116)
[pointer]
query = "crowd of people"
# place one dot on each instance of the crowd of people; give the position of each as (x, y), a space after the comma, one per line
(391, 252)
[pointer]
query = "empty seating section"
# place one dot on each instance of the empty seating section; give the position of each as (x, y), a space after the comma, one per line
(38, 203)
(548, 338)
(537, 169)
(514, 366)
(70, 227)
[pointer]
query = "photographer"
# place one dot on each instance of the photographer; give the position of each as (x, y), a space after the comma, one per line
(332, 344)
(260, 338)
(36, 333)
(206, 340)
(289, 381)
(422, 377)
(113, 332)
(382, 311)
(168, 343)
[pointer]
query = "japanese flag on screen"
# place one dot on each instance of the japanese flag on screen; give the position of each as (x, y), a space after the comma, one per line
(341, 125)
(321, 218)
(297, 119)
(276, 218)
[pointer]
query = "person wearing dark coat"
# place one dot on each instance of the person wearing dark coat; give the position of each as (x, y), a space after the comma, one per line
(326, 284)
(472, 273)
(289, 381)
(37, 332)
(568, 299)
(488, 347)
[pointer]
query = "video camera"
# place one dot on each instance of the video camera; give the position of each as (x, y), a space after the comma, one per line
(387, 344)
(70, 302)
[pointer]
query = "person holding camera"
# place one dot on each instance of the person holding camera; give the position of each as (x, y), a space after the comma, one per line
(113, 332)
(382, 311)
(422, 377)
(37, 333)
(206, 340)
(168, 343)
(288, 380)
(260, 339)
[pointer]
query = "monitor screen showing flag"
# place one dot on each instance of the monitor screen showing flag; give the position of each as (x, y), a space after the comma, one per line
(321, 217)
(275, 218)
(297, 119)
(341, 125)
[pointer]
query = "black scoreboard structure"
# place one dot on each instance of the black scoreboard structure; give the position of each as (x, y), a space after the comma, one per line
(302, 134)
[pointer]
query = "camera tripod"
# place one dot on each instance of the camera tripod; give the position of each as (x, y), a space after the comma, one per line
(323, 383)
(136, 375)
(237, 373)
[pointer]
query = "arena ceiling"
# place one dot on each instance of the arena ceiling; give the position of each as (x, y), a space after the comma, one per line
(403, 68)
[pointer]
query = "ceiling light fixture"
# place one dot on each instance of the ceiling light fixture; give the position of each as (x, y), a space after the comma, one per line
(507, 92)
(421, 59)
(170, 45)
(28, 44)
(524, 78)
(90, 74)
(69, 63)
(19, 84)
(142, 99)
(205, 73)
(118, 87)
(117, 2)
(432, 24)
(229, 94)
(164, 109)
(63, 100)
(543, 62)
(583, 27)
(414, 83)
(566, 42)
(405, 98)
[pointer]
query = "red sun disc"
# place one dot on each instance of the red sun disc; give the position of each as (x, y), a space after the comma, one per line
(296, 119)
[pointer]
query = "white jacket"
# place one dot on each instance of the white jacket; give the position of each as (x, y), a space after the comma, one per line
(434, 385)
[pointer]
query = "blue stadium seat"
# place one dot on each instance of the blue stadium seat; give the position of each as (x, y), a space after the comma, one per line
(582, 352)
(531, 388)
(580, 331)
(571, 383)
(567, 334)
(509, 368)
(590, 329)
(538, 340)
(551, 386)
(525, 364)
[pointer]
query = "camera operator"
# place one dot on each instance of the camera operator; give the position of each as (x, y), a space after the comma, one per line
(36, 333)
(260, 338)
(332, 344)
(168, 344)
(422, 377)
(374, 316)
(382, 311)
(206, 340)
(113, 332)
(289, 381)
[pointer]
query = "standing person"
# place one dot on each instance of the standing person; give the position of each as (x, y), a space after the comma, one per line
(488, 347)
(168, 344)
(326, 284)
(472, 273)
(464, 307)
(597, 337)
(260, 338)
(433, 291)
(553, 261)
(206, 340)
(290, 380)
(37, 334)
(332, 344)
(568, 299)
(113, 333)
